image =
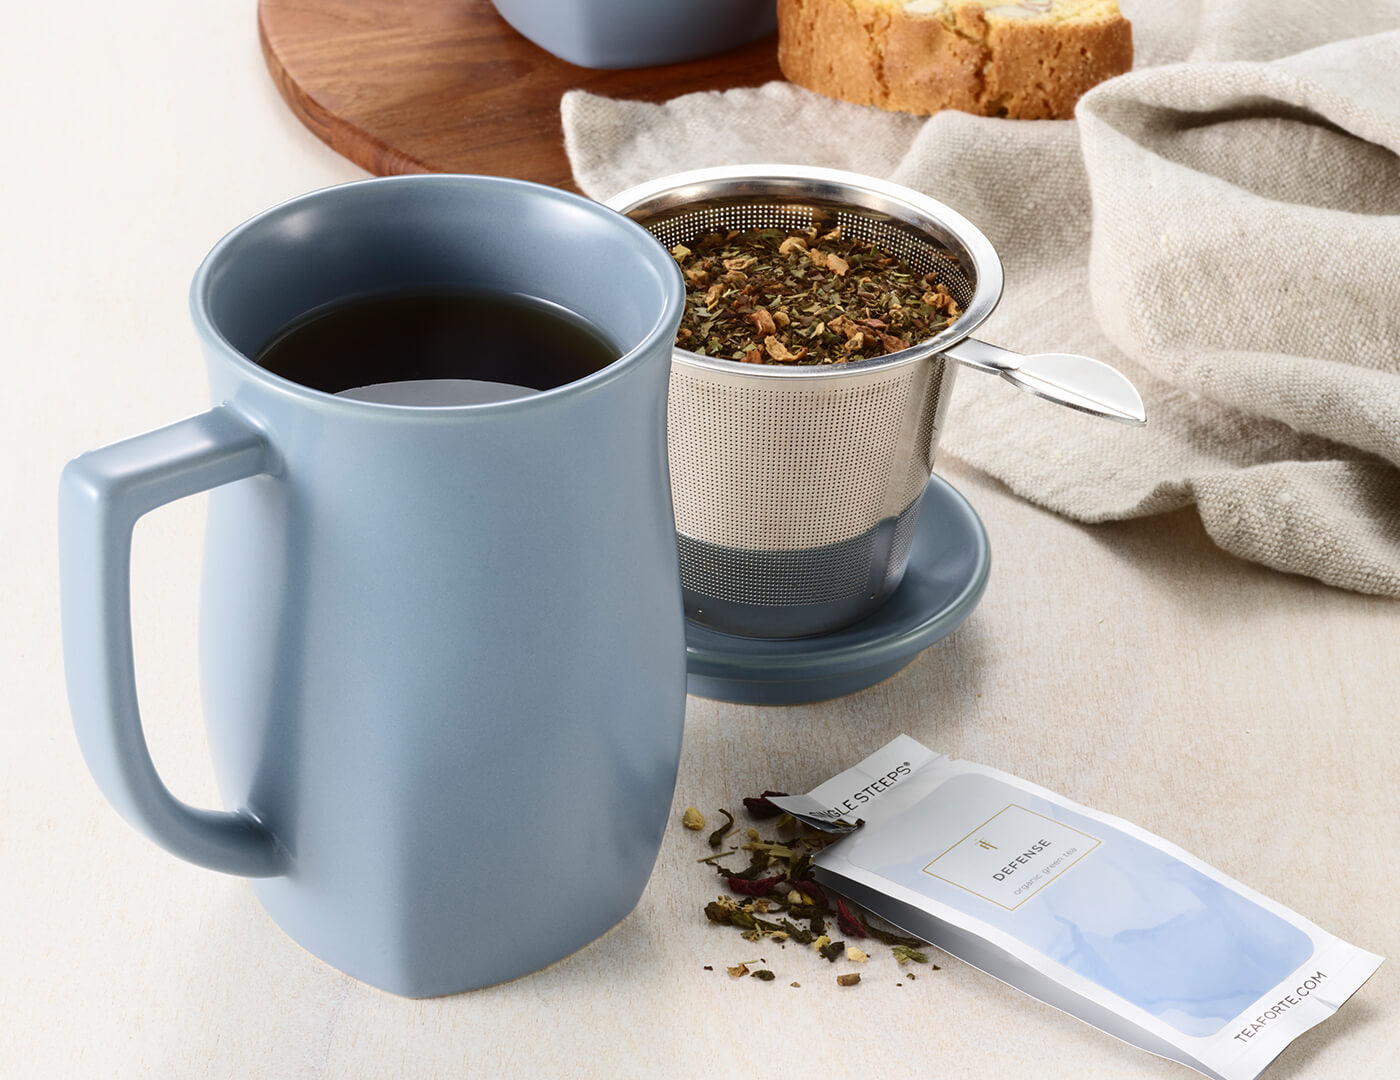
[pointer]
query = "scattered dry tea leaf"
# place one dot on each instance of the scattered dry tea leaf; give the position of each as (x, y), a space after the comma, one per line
(833, 951)
(802, 937)
(693, 819)
(772, 851)
(738, 971)
(761, 807)
(764, 975)
(848, 980)
(904, 954)
(889, 937)
(758, 863)
(846, 919)
(719, 834)
(755, 886)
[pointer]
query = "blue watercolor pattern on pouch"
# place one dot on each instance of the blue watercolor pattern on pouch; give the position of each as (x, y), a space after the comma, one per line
(1129, 917)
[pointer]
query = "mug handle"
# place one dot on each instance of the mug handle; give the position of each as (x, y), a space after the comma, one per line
(101, 496)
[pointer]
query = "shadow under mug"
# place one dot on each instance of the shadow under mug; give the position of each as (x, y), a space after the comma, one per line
(441, 648)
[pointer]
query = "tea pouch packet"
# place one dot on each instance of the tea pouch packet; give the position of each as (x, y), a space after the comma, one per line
(1080, 909)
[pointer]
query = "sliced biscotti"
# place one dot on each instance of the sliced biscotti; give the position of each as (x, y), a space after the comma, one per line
(1031, 59)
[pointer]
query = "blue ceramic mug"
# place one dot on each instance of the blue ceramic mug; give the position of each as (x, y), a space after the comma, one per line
(442, 647)
(613, 34)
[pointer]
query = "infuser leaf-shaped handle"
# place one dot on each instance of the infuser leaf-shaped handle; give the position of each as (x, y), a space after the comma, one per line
(1079, 382)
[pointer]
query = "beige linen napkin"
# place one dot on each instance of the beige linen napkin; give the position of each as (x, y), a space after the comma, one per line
(1223, 224)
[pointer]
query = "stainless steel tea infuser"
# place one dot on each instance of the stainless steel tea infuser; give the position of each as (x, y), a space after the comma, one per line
(797, 488)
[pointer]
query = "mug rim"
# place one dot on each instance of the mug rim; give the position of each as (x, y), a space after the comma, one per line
(671, 308)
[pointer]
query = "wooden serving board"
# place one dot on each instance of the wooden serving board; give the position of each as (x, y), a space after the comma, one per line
(406, 86)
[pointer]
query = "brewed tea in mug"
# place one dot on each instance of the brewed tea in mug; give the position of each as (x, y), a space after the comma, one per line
(464, 342)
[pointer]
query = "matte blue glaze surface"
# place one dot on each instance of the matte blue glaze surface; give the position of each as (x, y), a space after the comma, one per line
(638, 33)
(442, 652)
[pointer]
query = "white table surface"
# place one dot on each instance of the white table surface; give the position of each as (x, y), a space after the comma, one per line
(1249, 716)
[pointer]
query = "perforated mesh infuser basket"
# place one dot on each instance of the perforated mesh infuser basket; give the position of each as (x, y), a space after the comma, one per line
(798, 488)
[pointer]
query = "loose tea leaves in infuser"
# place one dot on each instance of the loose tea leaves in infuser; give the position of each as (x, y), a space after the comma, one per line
(797, 485)
(804, 296)
(1087, 912)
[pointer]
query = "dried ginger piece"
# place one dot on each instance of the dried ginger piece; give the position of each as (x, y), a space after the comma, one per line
(780, 352)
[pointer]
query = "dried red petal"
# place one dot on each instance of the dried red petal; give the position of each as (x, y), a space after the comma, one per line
(761, 807)
(757, 886)
(850, 925)
(812, 889)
